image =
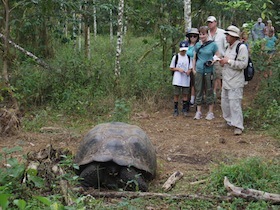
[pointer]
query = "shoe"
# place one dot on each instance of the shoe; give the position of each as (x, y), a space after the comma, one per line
(210, 116)
(197, 116)
(176, 113)
(229, 124)
(185, 113)
(237, 131)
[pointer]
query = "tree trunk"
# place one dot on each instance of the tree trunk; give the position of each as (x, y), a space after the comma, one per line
(6, 41)
(38, 60)
(119, 38)
(94, 19)
(111, 26)
(187, 15)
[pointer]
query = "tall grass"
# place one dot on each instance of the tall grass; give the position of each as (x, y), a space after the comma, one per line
(77, 85)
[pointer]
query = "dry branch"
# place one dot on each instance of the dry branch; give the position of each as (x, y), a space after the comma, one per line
(251, 194)
(171, 181)
(131, 195)
(148, 52)
(38, 60)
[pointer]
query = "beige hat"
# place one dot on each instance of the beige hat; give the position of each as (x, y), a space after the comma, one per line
(259, 20)
(269, 21)
(233, 31)
(211, 19)
(192, 31)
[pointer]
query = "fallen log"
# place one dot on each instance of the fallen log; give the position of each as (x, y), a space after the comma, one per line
(38, 60)
(130, 195)
(171, 181)
(251, 194)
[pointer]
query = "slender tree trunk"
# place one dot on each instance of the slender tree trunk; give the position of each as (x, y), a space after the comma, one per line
(94, 19)
(6, 41)
(119, 38)
(187, 15)
(6, 54)
(80, 30)
(111, 26)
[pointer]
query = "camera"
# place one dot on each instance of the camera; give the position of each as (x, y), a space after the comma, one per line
(208, 63)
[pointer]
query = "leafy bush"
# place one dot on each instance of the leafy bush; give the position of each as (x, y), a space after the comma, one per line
(77, 85)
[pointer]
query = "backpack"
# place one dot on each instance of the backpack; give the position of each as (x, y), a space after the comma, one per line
(249, 71)
(176, 61)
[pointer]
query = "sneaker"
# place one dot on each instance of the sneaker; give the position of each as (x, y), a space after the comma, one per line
(185, 113)
(229, 124)
(210, 116)
(197, 116)
(176, 113)
(237, 131)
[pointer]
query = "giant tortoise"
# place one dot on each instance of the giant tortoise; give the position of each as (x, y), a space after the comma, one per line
(116, 155)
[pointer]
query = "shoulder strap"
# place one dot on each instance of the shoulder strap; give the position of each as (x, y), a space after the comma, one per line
(176, 59)
(237, 49)
(203, 45)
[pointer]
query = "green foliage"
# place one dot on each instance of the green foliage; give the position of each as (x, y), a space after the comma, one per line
(265, 110)
(121, 111)
(78, 86)
(253, 173)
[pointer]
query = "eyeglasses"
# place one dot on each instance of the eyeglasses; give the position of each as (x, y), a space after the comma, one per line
(193, 36)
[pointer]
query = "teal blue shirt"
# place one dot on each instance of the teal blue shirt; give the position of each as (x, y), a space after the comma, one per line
(270, 43)
(190, 51)
(205, 54)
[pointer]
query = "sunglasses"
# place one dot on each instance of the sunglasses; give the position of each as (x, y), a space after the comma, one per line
(193, 36)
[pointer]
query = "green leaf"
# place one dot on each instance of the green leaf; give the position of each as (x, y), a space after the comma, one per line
(38, 181)
(44, 200)
(12, 150)
(4, 202)
(21, 204)
(32, 172)
(56, 206)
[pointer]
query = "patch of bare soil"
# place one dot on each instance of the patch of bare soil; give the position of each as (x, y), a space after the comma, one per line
(190, 146)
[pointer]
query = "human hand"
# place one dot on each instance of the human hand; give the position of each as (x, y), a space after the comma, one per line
(224, 61)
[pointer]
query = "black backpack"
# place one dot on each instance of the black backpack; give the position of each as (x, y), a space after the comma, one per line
(176, 61)
(249, 71)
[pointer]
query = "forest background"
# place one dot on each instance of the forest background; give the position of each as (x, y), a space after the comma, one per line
(96, 61)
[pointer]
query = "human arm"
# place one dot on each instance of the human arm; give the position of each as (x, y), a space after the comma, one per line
(240, 62)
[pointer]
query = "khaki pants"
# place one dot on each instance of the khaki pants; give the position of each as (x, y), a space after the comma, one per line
(231, 106)
(204, 85)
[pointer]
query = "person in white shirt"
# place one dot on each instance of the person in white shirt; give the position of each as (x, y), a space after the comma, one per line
(233, 80)
(218, 36)
(181, 77)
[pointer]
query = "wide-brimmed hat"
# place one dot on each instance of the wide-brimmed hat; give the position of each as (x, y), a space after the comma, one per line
(192, 31)
(211, 19)
(233, 31)
(184, 45)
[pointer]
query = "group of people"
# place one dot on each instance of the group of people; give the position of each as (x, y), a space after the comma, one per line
(207, 65)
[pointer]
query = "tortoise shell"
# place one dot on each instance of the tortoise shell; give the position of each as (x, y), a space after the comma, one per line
(124, 144)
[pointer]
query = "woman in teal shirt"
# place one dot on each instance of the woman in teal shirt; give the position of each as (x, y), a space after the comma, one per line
(204, 52)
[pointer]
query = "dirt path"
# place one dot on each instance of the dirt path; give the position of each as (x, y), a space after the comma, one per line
(182, 143)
